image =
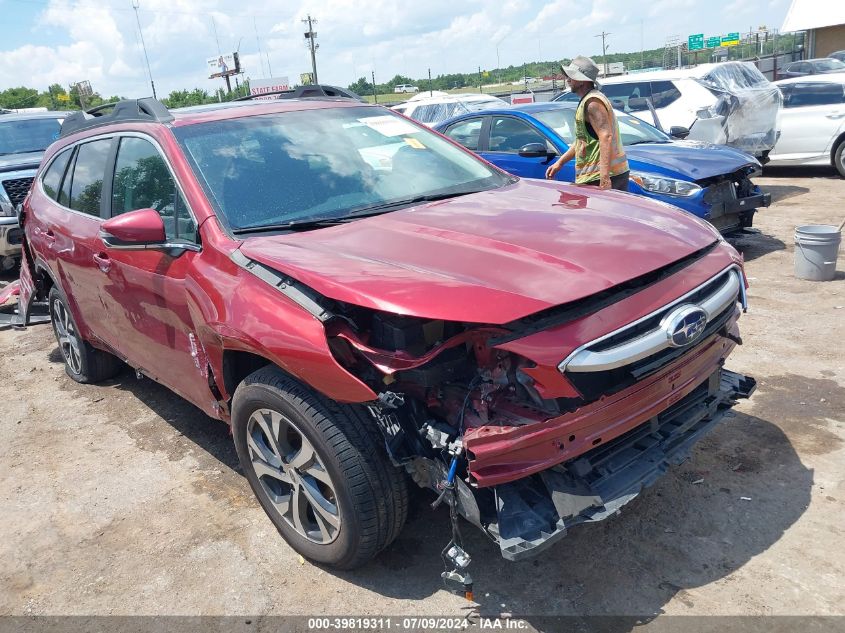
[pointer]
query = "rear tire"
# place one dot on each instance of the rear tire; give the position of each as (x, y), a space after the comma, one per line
(83, 362)
(319, 470)
(839, 159)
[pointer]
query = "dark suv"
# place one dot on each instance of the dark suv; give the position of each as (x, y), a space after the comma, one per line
(23, 139)
(364, 300)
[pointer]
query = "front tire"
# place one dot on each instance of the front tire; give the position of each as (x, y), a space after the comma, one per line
(83, 362)
(319, 470)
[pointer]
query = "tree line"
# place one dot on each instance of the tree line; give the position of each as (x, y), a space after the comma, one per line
(57, 97)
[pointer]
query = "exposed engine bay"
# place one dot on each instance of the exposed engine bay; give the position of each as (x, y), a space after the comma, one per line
(523, 451)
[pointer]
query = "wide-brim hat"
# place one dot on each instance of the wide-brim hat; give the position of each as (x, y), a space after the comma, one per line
(581, 69)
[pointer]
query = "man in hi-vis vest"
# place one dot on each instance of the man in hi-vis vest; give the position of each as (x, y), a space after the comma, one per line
(599, 156)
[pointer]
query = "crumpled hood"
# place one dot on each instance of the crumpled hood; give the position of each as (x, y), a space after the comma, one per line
(15, 162)
(691, 159)
(490, 257)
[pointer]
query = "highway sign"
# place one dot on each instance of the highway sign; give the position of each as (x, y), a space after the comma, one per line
(695, 42)
(731, 39)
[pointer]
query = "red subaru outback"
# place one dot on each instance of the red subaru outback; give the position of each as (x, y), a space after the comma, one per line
(363, 300)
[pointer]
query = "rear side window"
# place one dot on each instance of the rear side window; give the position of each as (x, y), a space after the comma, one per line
(467, 133)
(87, 185)
(813, 94)
(664, 93)
(142, 180)
(629, 97)
(52, 179)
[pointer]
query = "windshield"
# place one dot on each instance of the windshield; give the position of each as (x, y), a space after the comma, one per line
(28, 135)
(332, 163)
(830, 64)
(632, 129)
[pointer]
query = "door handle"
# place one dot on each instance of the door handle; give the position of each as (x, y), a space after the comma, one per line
(103, 261)
(835, 115)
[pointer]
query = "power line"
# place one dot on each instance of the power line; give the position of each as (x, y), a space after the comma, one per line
(112, 7)
(258, 43)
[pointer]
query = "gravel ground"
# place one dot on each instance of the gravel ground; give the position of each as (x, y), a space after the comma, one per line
(122, 499)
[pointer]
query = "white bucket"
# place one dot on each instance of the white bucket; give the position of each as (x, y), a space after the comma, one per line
(816, 251)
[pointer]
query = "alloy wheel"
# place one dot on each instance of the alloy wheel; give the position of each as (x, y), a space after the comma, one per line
(66, 335)
(293, 476)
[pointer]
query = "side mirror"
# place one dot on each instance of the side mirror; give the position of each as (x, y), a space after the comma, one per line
(678, 131)
(139, 231)
(136, 230)
(534, 150)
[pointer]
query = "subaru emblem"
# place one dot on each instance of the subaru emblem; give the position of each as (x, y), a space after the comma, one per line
(684, 325)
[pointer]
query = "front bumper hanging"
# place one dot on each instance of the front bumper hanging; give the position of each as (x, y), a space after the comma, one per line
(536, 511)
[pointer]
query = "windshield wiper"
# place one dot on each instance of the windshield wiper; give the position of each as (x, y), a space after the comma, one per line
(374, 209)
(640, 142)
(360, 212)
(303, 225)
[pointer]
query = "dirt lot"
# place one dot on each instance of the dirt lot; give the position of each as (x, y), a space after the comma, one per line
(123, 499)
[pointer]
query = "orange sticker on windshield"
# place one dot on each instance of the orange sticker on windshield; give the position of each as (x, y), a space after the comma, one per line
(413, 142)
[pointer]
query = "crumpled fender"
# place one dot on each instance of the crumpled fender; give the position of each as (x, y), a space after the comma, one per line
(389, 361)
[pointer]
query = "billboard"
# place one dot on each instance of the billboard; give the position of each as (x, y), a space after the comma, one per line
(258, 87)
(223, 65)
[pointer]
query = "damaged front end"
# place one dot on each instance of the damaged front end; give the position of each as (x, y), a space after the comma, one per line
(526, 429)
(525, 453)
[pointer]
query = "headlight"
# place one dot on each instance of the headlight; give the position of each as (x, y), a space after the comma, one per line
(660, 184)
(6, 208)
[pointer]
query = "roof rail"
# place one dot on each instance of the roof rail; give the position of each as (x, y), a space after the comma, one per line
(146, 110)
(304, 92)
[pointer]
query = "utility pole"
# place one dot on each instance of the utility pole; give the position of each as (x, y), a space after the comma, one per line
(310, 35)
(430, 89)
(375, 94)
(135, 5)
(604, 49)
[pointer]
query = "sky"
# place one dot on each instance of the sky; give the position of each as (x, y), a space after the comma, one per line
(66, 41)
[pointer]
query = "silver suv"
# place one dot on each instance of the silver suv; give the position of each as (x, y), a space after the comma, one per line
(23, 139)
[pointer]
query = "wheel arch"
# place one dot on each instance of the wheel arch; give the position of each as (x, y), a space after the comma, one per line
(835, 145)
(238, 364)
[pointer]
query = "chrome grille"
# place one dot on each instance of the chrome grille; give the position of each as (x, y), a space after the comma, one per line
(621, 358)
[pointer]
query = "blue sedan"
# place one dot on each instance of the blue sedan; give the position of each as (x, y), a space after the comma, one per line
(710, 181)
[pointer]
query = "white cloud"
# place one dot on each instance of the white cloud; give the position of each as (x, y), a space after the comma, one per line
(99, 41)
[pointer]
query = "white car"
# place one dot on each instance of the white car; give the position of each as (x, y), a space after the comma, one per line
(812, 122)
(404, 88)
(731, 103)
(440, 106)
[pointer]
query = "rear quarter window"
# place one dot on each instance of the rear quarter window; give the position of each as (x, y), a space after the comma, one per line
(52, 179)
